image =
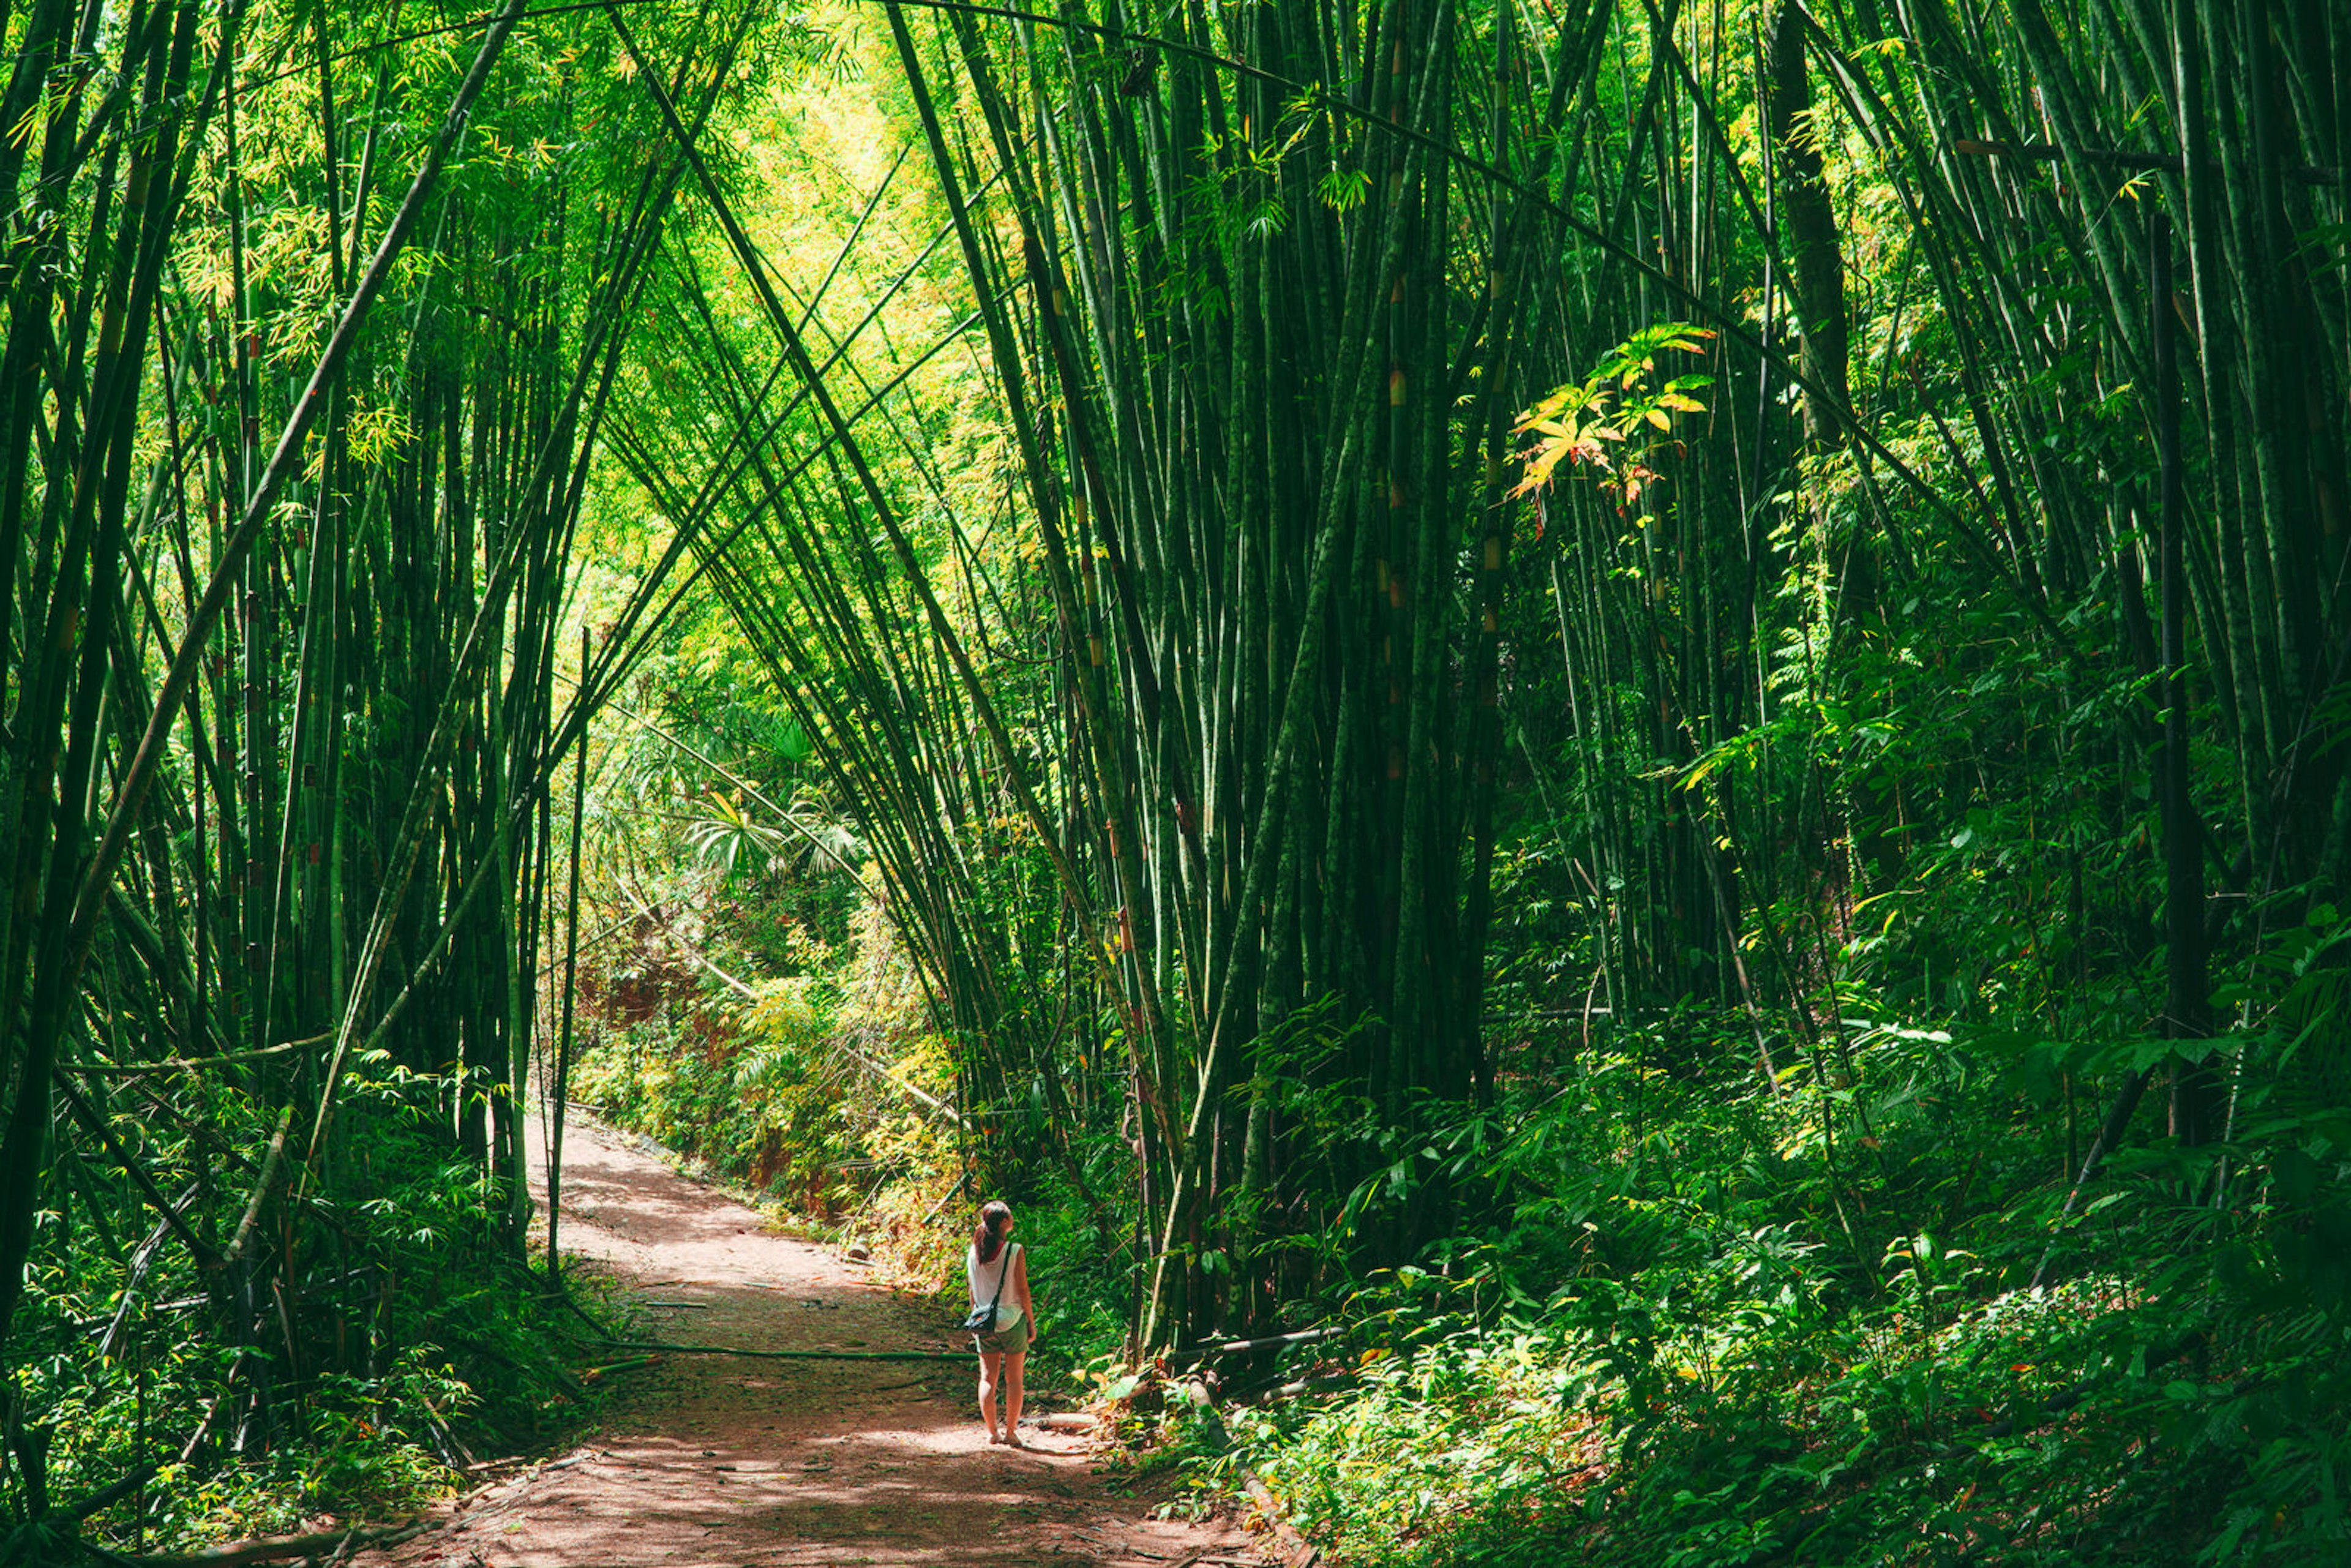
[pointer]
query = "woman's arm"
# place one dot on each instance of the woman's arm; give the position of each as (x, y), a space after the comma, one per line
(1020, 1287)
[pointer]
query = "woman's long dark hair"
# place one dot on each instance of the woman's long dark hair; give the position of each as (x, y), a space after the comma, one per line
(990, 1234)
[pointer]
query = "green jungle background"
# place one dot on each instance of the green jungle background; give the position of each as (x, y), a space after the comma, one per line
(1621, 723)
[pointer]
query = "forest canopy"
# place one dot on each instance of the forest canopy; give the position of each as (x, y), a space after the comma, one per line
(1623, 724)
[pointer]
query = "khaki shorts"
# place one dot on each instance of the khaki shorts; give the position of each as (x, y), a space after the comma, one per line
(1012, 1341)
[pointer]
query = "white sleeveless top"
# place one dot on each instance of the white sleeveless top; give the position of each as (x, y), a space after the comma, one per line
(984, 1279)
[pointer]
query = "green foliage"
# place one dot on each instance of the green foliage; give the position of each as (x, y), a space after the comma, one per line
(1708, 1328)
(1826, 910)
(1608, 423)
(745, 1090)
(453, 1359)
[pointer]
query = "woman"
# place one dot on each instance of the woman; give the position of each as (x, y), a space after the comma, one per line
(996, 1269)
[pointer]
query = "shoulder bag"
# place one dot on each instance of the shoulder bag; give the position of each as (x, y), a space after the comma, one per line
(982, 1319)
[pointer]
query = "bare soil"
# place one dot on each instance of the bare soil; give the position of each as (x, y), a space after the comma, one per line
(733, 1463)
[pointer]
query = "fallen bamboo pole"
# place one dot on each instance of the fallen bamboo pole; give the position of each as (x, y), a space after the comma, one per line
(790, 1354)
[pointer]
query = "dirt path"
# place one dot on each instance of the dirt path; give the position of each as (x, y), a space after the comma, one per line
(731, 1462)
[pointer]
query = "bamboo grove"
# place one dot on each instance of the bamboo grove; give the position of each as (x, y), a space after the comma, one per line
(1907, 498)
(314, 319)
(1489, 522)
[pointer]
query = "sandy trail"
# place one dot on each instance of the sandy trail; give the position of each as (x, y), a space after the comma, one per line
(732, 1462)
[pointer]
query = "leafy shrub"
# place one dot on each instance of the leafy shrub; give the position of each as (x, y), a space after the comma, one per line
(1773, 1326)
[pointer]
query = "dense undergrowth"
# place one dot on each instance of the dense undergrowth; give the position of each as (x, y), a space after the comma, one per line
(1686, 1330)
(412, 1341)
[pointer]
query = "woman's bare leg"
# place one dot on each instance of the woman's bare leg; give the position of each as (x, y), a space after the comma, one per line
(987, 1360)
(1015, 1365)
